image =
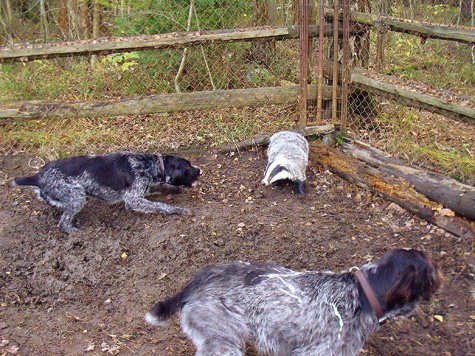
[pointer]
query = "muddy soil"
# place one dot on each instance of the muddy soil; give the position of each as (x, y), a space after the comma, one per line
(86, 293)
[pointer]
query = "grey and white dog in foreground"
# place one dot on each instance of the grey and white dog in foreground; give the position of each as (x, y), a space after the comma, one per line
(285, 312)
(287, 159)
(113, 178)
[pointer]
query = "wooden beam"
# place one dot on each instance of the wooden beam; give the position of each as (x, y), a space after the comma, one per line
(104, 46)
(162, 103)
(414, 28)
(414, 99)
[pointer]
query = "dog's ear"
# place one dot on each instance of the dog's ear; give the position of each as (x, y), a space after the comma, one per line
(413, 285)
(403, 290)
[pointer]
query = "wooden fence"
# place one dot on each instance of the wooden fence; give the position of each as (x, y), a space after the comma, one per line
(236, 97)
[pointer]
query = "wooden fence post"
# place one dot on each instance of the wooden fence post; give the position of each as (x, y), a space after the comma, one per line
(321, 29)
(345, 65)
(336, 19)
(303, 24)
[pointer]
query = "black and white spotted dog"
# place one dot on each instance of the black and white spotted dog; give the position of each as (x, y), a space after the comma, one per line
(284, 312)
(287, 157)
(116, 177)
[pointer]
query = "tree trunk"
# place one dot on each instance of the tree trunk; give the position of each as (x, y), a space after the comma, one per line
(63, 18)
(44, 21)
(391, 188)
(96, 26)
(6, 19)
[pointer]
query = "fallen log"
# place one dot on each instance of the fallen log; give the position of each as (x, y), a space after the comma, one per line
(391, 188)
(452, 194)
(265, 139)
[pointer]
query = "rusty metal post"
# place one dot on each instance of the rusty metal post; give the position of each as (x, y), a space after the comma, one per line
(303, 24)
(345, 65)
(321, 30)
(336, 19)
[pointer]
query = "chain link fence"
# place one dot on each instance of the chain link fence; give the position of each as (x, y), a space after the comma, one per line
(440, 68)
(401, 53)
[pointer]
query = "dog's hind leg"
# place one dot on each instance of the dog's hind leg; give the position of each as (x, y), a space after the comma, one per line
(217, 347)
(73, 207)
(66, 221)
(67, 196)
(214, 329)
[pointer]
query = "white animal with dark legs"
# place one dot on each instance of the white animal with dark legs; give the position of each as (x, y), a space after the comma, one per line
(284, 312)
(113, 178)
(287, 160)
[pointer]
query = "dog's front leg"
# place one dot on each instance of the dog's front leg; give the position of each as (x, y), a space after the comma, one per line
(134, 199)
(147, 206)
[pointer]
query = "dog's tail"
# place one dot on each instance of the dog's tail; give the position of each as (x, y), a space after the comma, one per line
(27, 180)
(164, 309)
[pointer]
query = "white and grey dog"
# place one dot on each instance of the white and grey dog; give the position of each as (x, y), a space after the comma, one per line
(285, 312)
(287, 159)
(116, 177)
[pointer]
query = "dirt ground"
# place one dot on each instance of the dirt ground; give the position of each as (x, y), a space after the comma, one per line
(86, 293)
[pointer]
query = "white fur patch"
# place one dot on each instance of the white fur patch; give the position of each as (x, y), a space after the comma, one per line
(337, 313)
(152, 319)
(280, 161)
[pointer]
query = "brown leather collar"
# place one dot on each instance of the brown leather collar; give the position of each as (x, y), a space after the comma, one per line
(368, 291)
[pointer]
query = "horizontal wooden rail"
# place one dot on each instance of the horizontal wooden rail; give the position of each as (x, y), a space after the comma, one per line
(412, 98)
(162, 103)
(414, 28)
(150, 42)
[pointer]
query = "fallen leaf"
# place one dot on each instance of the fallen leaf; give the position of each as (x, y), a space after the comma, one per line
(13, 350)
(439, 318)
(446, 212)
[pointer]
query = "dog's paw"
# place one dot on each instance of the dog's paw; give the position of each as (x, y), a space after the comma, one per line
(183, 211)
(68, 229)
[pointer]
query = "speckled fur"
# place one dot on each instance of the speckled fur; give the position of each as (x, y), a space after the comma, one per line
(113, 178)
(285, 312)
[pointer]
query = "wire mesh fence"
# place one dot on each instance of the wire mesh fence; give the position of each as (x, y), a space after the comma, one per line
(436, 67)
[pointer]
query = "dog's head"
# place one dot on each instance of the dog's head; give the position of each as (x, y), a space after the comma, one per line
(402, 278)
(180, 172)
